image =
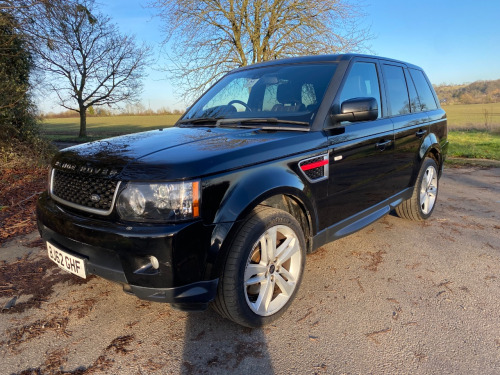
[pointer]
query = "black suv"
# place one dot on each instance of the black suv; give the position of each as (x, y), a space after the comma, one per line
(273, 161)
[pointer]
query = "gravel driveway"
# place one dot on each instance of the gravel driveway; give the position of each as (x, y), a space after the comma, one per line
(395, 298)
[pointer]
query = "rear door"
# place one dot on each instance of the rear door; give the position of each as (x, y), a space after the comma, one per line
(361, 153)
(409, 114)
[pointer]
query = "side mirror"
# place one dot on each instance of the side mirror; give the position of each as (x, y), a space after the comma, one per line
(357, 109)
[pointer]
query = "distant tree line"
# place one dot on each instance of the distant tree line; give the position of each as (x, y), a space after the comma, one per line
(137, 109)
(479, 92)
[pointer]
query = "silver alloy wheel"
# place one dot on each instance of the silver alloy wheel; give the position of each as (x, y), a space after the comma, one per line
(272, 270)
(428, 190)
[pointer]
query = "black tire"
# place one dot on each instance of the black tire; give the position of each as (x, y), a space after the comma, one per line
(418, 208)
(279, 283)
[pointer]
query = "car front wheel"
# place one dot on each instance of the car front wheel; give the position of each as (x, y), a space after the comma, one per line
(263, 269)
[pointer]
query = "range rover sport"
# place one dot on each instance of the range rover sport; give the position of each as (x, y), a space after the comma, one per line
(272, 162)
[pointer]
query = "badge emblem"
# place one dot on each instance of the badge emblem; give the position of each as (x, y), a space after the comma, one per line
(95, 198)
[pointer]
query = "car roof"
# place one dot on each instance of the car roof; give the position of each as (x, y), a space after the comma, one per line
(324, 58)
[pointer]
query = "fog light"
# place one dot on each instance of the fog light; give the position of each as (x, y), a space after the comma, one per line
(154, 262)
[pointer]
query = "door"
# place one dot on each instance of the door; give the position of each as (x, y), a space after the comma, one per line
(361, 153)
(408, 112)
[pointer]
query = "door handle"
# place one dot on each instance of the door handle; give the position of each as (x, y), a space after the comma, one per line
(382, 145)
(421, 133)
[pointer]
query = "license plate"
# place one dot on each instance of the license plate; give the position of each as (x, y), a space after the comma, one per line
(67, 261)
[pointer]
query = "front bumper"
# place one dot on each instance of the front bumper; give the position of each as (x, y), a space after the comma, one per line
(121, 252)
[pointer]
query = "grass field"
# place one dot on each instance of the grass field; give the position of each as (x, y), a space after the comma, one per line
(474, 116)
(474, 128)
(97, 127)
(474, 144)
(466, 116)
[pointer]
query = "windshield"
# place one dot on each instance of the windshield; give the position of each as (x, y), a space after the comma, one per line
(279, 92)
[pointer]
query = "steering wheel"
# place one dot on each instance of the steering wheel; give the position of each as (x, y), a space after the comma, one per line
(236, 101)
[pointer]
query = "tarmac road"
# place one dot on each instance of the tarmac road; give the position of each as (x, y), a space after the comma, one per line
(395, 298)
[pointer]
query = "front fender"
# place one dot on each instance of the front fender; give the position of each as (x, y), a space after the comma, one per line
(251, 189)
(245, 190)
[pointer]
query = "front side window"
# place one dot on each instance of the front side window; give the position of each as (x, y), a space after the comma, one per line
(285, 92)
(362, 82)
(397, 93)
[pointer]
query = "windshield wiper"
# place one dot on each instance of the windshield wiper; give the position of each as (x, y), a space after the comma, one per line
(277, 124)
(201, 120)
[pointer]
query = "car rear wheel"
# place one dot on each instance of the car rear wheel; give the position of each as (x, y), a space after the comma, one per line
(423, 200)
(263, 269)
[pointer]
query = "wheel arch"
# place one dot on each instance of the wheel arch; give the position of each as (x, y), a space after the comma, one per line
(430, 147)
(275, 187)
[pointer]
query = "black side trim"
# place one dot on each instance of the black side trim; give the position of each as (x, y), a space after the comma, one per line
(359, 221)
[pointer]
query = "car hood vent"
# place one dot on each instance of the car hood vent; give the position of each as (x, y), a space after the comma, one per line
(316, 168)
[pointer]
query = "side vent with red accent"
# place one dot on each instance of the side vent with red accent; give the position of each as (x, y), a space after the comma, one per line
(316, 168)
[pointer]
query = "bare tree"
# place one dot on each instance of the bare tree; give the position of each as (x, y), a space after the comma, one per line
(210, 37)
(88, 61)
(10, 5)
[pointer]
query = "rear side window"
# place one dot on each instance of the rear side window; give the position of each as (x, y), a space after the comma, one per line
(362, 82)
(397, 92)
(427, 102)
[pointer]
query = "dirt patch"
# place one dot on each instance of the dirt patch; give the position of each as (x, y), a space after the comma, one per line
(19, 188)
(33, 277)
(374, 335)
(18, 336)
(119, 344)
(84, 308)
(228, 360)
(373, 260)
(56, 360)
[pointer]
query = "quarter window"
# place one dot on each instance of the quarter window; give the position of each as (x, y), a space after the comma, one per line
(427, 102)
(397, 92)
(414, 101)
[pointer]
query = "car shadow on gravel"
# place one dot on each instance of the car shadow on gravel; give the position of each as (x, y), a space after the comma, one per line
(213, 345)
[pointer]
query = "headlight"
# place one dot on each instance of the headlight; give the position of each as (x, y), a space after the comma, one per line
(159, 202)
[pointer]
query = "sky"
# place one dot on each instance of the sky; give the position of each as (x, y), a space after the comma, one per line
(454, 41)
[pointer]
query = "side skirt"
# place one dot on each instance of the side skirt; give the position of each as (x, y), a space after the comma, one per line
(359, 221)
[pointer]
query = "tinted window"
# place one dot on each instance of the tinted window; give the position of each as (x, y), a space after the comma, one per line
(362, 82)
(427, 101)
(396, 90)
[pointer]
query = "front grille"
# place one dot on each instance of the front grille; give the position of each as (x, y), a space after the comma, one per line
(83, 191)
